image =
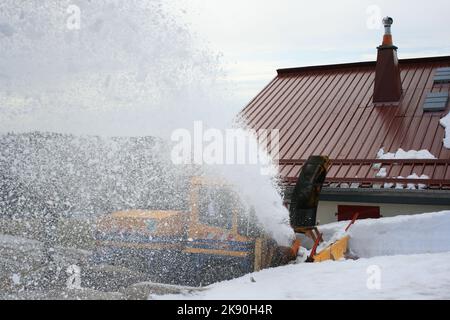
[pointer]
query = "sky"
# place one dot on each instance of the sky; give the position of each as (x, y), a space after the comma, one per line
(256, 37)
(146, 59)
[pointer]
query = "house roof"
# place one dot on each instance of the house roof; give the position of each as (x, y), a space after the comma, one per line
(328, 110)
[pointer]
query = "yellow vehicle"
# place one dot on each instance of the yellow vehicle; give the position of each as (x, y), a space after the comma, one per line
(217, 238)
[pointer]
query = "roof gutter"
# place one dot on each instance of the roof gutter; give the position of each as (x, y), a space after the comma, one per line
(392, 196)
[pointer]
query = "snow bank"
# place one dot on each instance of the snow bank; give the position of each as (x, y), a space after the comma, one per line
(423, 276)
(409, 234)
(411, 255)
(445, 122)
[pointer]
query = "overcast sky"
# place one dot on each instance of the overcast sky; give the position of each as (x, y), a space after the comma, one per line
(134, 55)
(256, 37)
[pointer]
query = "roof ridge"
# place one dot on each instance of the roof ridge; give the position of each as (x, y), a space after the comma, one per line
(361, 64)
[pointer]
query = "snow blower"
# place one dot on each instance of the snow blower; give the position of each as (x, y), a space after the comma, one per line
(303, 210)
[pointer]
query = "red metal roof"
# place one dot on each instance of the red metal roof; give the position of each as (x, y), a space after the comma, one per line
(328, 110)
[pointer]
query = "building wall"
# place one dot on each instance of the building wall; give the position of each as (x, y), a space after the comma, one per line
(327, 209)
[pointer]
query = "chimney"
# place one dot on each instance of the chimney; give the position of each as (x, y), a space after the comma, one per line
(388, 84)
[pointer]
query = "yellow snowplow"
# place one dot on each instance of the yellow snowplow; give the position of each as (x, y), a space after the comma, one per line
(216, 238)
(335, 251)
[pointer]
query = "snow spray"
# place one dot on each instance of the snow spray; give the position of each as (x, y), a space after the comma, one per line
(84, 84)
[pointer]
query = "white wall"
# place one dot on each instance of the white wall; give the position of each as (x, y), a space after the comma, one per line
(327, 209)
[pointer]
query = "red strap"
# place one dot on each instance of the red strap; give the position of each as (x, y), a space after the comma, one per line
(355, 216)
(314, 248)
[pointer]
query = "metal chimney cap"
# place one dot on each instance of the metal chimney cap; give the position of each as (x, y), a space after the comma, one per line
(388, 21)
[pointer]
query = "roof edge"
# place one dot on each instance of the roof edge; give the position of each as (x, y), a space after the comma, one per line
(284, 71)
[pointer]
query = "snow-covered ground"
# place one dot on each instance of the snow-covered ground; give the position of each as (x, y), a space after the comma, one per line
(425, 276)
(404, 257)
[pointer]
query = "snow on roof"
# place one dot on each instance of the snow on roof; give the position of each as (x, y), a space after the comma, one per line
(402, 154)
(445, 122)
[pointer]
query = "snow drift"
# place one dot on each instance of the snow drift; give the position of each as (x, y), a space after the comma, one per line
(411, 234)
(423, 276)
(411, 254)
